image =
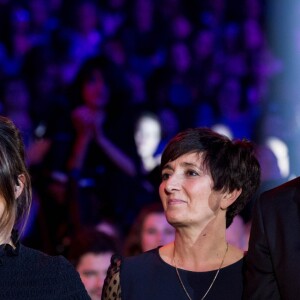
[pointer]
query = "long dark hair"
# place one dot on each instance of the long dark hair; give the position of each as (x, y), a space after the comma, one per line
(12, 166)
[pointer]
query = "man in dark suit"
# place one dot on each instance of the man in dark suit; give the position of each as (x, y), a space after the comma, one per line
(273, 258)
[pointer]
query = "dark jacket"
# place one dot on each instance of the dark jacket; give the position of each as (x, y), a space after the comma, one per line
(273, 260)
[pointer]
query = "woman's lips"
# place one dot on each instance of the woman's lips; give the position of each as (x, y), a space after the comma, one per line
(176, 201)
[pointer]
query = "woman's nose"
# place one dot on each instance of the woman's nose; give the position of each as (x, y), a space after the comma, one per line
(172, 184)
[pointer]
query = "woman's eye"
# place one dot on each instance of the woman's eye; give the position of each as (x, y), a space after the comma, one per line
(192, 173)
(165, 176)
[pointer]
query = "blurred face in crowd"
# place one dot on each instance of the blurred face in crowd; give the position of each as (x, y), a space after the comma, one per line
(95, 93)
(181, 57)
(92, 269)
(156, 231)
(147, 136)
(87, 17)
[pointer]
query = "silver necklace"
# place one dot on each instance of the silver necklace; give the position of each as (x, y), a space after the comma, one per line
(213, 281)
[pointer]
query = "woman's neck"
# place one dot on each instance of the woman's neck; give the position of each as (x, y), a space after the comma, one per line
(199, 254)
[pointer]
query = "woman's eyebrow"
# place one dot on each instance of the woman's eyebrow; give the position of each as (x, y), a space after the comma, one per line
(189, 164)
(183, 164)
(167, 166)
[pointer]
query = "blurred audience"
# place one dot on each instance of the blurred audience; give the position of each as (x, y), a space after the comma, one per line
(149, 230)
(98, 158)
(90, 251)
(79, 74)
(237, 233)
(147, 138)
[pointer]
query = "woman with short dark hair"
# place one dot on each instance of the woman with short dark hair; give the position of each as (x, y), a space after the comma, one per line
(206, 180)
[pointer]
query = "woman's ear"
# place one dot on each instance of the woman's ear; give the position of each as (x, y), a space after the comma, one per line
(229, 198)
(19, 186)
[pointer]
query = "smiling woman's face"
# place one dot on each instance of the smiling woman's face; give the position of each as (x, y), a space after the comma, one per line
(187, 191)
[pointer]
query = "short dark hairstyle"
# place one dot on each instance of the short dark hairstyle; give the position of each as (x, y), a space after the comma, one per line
(232, 164)
(90, 240)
